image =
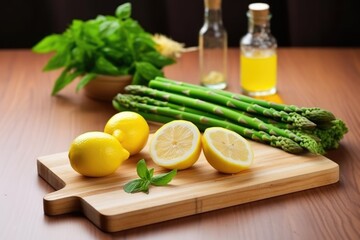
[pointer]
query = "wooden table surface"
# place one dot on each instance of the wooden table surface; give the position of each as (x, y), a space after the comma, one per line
(33, 124)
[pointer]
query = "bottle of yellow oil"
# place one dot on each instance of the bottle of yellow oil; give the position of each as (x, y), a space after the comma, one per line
(258, 58)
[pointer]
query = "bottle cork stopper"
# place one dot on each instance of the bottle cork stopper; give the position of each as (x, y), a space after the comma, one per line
(259, 12)
(213, 4)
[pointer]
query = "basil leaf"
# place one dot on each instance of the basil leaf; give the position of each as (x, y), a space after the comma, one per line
(145, 186)
(144, 43)
(112, 53)
(109, 28)
(65, 78)
(137, 185)
(163, 179)
(104, 66)
(151, 173)
(59, 60)
(123, 11)
(147, 70)
(134, 186)
(156, 59)
(137, 79)
(47, 44)
(79, 56)
(142, 170)
(85, 80)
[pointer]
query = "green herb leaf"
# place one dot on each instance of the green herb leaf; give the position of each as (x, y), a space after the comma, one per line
(163, 179)
(151, 173)
(156, 59)
(123, 11)
(104, 66)
(47, 44)
(137, 185)
(146, 179)
(146, 72)
(64, 79)
(145, 186)
(144, 43)
(112, 53)
(142, 170)
(58, 61)
(109, 27)
(85, 80)
(137, 79)
(134, 186)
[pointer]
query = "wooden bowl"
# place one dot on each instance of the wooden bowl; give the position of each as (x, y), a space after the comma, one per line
(105, 87)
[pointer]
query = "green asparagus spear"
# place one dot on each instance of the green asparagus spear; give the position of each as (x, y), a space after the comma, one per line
(331, 135)
(155, 102)
(148, 116)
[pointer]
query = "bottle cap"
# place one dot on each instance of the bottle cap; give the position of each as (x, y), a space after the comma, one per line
(259, 12)
(213, 4)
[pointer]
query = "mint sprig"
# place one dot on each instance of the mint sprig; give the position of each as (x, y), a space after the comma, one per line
(147, 178)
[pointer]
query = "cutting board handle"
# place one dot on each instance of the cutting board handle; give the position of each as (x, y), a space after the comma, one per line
(56, 203)
(62, 201)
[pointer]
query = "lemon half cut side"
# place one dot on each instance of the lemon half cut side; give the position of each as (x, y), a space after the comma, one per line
(226, 150)
(176, 145)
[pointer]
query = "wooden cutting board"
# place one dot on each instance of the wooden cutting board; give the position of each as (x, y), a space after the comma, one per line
(195, 190)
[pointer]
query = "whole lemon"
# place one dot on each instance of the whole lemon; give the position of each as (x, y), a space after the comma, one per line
(130, 128)
(96, 154)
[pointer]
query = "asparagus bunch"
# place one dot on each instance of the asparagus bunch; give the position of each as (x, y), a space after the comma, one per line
(319, 123)
(226, 113)
(284, 126)
(160, 113)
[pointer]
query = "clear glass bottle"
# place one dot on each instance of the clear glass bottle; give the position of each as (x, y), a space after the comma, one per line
(258, 58)
(213, 47)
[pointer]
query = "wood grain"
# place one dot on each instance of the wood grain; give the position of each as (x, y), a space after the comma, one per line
(195, 190)
(33, 124)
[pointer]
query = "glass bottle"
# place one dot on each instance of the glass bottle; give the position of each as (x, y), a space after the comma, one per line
(258, 58)
(213, 47)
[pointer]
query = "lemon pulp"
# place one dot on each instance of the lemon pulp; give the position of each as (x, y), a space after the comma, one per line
(176, 145)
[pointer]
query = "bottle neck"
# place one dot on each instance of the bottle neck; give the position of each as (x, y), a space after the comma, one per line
(256, 26)
(212, 13)
(213, 16)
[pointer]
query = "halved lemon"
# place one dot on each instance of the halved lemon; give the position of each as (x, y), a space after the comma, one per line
(176, 145)
(226, 151)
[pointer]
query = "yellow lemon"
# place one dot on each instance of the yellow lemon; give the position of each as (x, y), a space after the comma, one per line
(176, 145)
(226, 151)
(96, 154)
(130, 128)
